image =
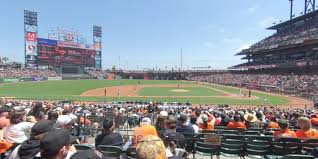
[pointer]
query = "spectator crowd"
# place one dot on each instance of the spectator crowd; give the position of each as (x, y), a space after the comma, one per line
(289, 36)
(53, 130)
(303, 85)
(16, 73)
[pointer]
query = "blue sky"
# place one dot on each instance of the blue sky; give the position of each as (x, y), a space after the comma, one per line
(150, 33)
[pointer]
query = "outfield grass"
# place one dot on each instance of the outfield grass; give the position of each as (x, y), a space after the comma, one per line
(71, 90)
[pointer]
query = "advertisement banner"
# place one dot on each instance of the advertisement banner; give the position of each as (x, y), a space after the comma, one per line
(50, 42)
(39, 78)
(98, 59)
(54, 78)
(10, 80)
(30, 48)
(70, 44)
(30, 36)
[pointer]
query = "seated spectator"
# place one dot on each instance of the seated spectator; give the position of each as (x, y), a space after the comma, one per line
(171, 126)
(144, 130)
(108, 137)
(225, 119)
(151, 147)
(314, 121)
(52, 115)
(306, 131)
(57, 144)
(172, 151)
(88, 154)
(284, 130)
(17, 132)
(272, 124)
(236, 124)
(38, 111)
(31, 147)
(160, 124)
(251, 121)
(64, 122)
(183, 126)
(193, 121)
(205, 124)
(4, 117)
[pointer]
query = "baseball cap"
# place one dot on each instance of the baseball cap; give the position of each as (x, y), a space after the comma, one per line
(54, 140)
(146, 120)
(204, 117)
(63, 120)
(41, 127)
(88, 154)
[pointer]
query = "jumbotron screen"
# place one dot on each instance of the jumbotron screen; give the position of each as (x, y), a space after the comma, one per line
(51, 52)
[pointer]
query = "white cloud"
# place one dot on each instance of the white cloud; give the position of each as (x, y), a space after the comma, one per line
(266, 22)
(232, 40)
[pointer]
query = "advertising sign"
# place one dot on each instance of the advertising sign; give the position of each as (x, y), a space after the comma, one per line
(70, 44)
(98, 59)
(54, 78)
(30, 36)
(212, 139)
(30, 48)
(11, 80)
(50, 42)
(39, 78)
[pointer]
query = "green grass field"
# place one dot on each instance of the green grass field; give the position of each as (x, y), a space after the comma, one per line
(71, 90)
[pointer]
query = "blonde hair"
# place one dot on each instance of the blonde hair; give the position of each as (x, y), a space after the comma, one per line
(305, 122)
(151, 147)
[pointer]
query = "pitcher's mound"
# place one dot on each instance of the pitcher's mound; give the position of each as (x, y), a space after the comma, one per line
(179, 90)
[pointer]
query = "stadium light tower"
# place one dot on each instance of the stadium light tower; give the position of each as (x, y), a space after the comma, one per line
(291, 8)
(309, 6)
(30, 38)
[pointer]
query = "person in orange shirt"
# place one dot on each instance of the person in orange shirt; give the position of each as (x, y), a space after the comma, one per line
(272, 124)
(236, 124)
(284, 130)
(306, 131)
(145, 129)
(206, 124)
(314, 121)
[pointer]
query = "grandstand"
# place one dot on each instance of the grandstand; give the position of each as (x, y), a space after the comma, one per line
(293, 48)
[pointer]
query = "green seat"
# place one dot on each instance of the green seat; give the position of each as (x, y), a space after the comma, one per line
(206, 150)
(258, 146)
(284, 146)
(308, 146)
(131, 153)
(233, 146)
(110, 151)
(80, 147)
(250, 132)
(229, 132)
(298, 157)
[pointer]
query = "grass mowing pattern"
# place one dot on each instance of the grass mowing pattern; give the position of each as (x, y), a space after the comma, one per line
(70, 90)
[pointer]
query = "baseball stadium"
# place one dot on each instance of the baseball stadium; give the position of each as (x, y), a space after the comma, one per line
(61, 102)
